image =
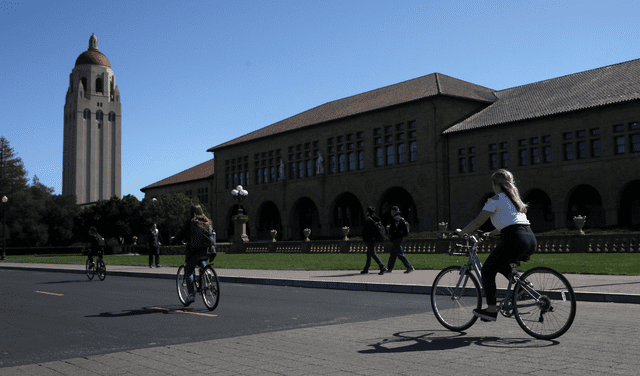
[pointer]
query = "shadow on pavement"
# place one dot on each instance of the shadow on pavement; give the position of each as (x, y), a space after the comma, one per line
(69, 281)
(151, 310)
(430, 340)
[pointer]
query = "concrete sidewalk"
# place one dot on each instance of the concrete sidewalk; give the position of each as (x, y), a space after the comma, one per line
(593, 288)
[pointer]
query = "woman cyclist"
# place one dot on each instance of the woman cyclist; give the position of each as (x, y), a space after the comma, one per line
(200, 237)
(517, 241)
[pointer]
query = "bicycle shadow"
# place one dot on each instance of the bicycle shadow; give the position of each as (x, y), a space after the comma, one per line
(435, 340)
(174, 309)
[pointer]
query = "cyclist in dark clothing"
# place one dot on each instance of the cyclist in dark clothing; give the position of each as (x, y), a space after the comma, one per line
(198, 250)
(97, 244)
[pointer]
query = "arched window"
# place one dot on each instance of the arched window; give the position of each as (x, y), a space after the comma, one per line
(390, 155)
(84, 83)
(86, 114)
(99, 88)
(99, 115)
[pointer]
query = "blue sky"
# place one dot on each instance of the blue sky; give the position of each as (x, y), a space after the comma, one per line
(195, 74)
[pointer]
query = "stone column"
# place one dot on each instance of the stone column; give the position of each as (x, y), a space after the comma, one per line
(240, 232)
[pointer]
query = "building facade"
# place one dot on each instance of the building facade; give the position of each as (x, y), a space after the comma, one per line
(429, 145)
(92, 129)
(195, 182)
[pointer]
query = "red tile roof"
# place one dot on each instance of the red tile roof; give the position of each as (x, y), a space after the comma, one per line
(593, 88)
(202, 171)
(404, 92)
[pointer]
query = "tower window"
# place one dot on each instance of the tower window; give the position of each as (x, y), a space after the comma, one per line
(99, 85)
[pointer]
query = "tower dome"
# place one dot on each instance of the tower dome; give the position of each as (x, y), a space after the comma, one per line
(92, 55)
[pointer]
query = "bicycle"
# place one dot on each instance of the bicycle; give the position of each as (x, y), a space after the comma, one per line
(205, 282)
(541, 299)
(91, 268)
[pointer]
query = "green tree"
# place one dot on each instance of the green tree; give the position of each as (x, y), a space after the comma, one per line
(13, 176)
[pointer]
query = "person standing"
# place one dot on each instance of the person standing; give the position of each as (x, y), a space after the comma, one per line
(372, 235)
(517, 241)
(398, 230)
(154, 241)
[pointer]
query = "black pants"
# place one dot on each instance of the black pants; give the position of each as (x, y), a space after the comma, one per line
(516, 242)
(93, 252)
(397, 251)
(154, 250)
(371, 254)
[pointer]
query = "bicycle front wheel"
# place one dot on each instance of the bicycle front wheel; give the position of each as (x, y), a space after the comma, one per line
(181, 285)
(90, 269)
(551, 314)
(101, 269)
(210, 287)
(454, 297)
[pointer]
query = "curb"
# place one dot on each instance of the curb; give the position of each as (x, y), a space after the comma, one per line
(597, 297)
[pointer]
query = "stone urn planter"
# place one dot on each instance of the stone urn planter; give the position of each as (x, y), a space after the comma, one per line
(273, 235)
(579, 221)
(307, 233)
(345, 232)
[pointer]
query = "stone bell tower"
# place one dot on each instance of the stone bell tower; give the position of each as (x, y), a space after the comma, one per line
(91, 154)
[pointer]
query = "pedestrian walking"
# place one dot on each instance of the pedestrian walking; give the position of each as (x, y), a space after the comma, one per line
(372, 233)
(154, 241)
(398, 230)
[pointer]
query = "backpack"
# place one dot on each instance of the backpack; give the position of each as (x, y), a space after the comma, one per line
(381, 231)
(202, 235)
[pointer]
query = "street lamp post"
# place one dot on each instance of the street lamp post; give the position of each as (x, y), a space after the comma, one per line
(4, 217)
(239, 194)
(240, 219)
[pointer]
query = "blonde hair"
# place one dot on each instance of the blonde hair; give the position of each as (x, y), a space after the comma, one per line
(504, 179)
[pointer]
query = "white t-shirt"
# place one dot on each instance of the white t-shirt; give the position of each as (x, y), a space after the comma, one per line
(504, 212)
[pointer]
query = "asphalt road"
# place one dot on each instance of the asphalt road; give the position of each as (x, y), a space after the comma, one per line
(54, 316)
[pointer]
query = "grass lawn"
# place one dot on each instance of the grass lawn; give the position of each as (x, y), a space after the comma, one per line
(577, 263)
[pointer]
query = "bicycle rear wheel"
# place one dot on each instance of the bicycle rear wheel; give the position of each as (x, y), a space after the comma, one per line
(554, 312)
(90, 269)
(454, 297)
(210, 287)
(101, 269)
(181, 285)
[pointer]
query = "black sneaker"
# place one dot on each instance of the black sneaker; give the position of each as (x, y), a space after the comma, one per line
(364, 272)
(410, 270)
(383, 270)
(485, 315)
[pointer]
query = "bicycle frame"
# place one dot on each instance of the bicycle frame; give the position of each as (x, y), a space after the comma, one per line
(475, 265)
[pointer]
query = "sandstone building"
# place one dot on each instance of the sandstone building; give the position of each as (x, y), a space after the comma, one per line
(429, 146)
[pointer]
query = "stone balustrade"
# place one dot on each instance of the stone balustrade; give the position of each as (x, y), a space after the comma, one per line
(546, 244)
